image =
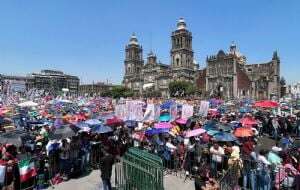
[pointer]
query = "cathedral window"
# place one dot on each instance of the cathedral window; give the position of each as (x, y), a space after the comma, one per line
(177, 62)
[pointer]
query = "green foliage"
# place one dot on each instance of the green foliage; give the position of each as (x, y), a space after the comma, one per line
(152, 94)
(181, 88)
(118, 92)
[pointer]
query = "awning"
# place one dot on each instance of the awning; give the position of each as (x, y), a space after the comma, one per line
(148, 85)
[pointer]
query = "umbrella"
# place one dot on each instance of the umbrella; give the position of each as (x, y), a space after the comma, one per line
(156, 131)
(194, 132)
(243, 132)
(181, 121)
(3, 111)
(82, 125)
(224, 137)
(15, 137)
(163, 125)
(114, 121)
(224, 127)
(165, 117)
(212, 132)
(101, 129)
(105, 116)
(58, 122)
(93, 122)
(245, 109)
(266, 104)
(131, 123)
(62, 133)
(211, 125)
(248, 121)
(63, 101)
(28, 104)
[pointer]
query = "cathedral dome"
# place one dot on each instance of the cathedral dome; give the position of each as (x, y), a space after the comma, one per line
(181, 24)
(133, 39)
(221, 53)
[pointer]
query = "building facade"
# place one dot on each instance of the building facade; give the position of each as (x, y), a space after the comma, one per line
(155, 76)
(228, 75)
(94, 89)
(54, 82)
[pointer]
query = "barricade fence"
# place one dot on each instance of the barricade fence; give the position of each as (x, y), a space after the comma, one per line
(230, 173)
(47, 167)
(246, 173)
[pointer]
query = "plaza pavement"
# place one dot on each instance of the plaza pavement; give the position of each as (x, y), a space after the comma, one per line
(93, 182)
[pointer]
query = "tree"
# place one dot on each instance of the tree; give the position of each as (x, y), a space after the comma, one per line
(118, 92)
(181, 88)
(151, 93)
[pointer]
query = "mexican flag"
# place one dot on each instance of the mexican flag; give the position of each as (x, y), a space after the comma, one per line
(27, 169)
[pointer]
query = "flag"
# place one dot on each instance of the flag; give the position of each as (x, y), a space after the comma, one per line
(27, 169)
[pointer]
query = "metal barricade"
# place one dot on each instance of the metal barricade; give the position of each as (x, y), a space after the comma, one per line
(230, 180)
(139, 170)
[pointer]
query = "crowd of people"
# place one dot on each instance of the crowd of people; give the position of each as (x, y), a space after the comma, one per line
(55, 139)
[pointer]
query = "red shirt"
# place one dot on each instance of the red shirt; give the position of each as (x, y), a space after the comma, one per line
(248, 147)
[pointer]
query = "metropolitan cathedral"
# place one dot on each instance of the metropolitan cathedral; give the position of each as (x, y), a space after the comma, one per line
(227, 74)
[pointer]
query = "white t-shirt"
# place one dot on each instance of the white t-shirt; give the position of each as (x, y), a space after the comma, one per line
(171, 147)
(217, 155)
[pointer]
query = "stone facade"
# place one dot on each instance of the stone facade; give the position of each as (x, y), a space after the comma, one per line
(155, 76)
(228, 75)
(94, 89)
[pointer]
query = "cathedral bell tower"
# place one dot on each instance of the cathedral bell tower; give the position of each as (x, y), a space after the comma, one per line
(133, 62)
(182, 55)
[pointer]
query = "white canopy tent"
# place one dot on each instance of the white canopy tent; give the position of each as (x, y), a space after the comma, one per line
(28, 104)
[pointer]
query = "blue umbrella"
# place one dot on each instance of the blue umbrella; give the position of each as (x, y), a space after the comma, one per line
(82, 125)
(58, 122)
(224, 137)
(211, 125)
(101, 129)
(131, 123)
(92, 122)
(156, 131)
(212, 132)
(224, 127)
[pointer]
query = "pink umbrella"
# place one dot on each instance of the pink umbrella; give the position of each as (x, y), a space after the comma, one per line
(163, 125)
(194, 132)
(248, 121)
(181, 121)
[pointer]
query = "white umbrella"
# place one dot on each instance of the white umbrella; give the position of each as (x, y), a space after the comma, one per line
(28, 104)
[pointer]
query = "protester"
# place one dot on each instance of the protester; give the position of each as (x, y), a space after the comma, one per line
(72, 137)
(106, 164)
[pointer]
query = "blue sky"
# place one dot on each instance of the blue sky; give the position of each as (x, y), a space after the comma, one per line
(87, 37)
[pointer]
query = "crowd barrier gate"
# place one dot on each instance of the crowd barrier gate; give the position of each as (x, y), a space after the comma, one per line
(139, 170)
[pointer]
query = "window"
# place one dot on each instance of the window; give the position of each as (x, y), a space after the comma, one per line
(177, 61)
